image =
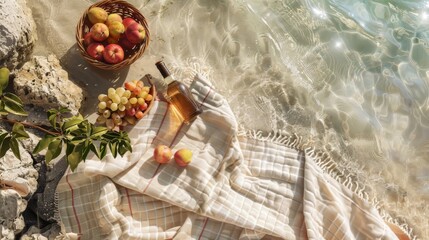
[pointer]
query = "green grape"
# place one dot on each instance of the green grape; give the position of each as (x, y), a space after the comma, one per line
(114, 106)
(121, 107)
(140, 101)
(116, 99)
(111, 91)
(127, 94)
(102, 97)
(106, 113)
(101, 119)
(133, 100)
(110, 124)
(120, 91)
(124, 100)
(102, 105)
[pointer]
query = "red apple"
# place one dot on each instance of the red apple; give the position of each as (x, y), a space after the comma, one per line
(113, 53)
(162, 154)
(96, 50)
(126, 44)
(135, 33)
(127, 22)
(99, 32)
(87, 39)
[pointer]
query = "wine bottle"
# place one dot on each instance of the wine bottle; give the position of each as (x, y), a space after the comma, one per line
(179, 96)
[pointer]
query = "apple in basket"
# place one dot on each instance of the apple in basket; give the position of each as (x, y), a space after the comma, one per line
(96, 50)
(113, 17)
(125, 43)
(127, 22)
(97, 15)
(113, 53)
(99, 32)
(183, 157)
(162, 154)
(135, 33)
(87, 39)
(116, 29)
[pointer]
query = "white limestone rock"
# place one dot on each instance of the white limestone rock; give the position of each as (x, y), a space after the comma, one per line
(43, 84)
(17, 31)
(11, 207)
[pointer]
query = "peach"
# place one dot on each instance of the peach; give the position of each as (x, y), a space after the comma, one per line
(116, 29)
(183, 157)
(162, 154)
(113, 17)
(97, 15)
(99, 32)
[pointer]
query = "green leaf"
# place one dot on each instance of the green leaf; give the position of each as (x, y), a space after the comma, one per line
(52, 117)
(95, 150)
(103, 150)
(73, 122)
(74, 158)
(43, 143)
(14, 145)
(54, 150)
(2, 136)
(13, 107)
(13, 97)
(18, 131)
(85, 150)
(122, 150)
(113, 148)
(2, 111)
(97, 132)
(63, 110)
(5, 145)
(77, 140)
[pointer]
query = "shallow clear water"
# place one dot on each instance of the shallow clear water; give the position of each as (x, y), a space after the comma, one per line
(350, 75)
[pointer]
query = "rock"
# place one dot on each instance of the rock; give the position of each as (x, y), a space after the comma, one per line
(17, 31)
(11, 207)
(19, 175)
(43, 84)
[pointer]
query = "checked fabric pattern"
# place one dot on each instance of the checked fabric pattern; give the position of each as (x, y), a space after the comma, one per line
(237, 187)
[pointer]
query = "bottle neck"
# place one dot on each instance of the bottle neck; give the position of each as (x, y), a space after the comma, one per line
(164, 72)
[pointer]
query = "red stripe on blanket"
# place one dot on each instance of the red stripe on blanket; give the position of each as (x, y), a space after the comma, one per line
(204, 99)
(74, 209)
(204, 227)
(129, 202)
(159, 164)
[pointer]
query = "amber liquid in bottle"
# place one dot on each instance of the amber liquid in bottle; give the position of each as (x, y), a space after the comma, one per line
(179, 96)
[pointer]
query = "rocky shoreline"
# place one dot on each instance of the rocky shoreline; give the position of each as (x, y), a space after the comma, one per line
(27, 185)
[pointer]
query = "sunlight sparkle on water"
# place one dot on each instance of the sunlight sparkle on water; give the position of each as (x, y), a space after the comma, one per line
(320, 13)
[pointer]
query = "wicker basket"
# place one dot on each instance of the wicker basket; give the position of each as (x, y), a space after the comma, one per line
(125, 10)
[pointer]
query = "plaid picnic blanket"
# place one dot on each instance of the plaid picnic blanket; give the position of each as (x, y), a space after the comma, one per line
(239, 186)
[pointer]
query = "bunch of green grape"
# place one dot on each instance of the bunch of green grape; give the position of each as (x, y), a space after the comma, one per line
(124, 105)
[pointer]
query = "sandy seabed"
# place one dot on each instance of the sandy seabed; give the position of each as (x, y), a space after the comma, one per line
(286, 73)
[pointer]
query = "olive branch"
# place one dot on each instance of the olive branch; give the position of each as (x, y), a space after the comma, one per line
(75, 134)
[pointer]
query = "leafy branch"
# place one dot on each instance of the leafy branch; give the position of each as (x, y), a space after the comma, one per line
(75, 134)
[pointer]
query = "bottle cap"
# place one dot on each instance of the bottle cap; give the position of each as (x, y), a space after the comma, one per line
(162, 69)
